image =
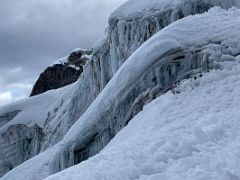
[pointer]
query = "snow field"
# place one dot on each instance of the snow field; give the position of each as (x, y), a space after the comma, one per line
(185, 136)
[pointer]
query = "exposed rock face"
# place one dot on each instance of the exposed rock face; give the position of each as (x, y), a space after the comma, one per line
(55, 77)
(63, 74)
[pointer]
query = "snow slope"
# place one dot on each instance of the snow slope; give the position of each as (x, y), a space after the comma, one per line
(217, 26)
(191, 135)
(137, 8)
(35, 110)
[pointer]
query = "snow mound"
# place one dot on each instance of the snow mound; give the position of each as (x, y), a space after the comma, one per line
(137, 8)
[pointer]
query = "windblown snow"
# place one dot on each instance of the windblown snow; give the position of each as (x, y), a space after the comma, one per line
(192, 132)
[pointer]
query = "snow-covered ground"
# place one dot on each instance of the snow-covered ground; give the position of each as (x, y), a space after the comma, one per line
(191, 135)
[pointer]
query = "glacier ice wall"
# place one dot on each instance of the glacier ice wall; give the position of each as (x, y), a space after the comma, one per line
(18, 144)
(161, 76)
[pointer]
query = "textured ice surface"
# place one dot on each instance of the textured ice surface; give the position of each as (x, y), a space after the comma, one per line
(206, 39)
(192, 135)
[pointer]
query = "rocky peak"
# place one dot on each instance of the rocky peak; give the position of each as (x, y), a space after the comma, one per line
(62, 74)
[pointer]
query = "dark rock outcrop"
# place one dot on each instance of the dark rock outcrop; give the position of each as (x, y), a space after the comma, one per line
(55, 77)
(62, 74)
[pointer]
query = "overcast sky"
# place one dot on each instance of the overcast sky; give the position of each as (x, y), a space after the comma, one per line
(33, 33)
